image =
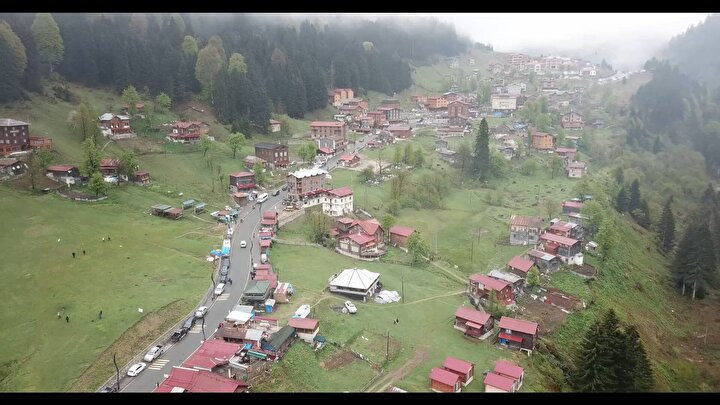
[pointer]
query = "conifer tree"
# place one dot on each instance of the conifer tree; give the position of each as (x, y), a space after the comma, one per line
(634, 201)
(621, 202)
(592, 370)
(641, 375)
(667, 228)
(482, 151)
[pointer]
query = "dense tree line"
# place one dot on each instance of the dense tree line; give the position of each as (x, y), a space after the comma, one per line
(285, 67)
(690, 51)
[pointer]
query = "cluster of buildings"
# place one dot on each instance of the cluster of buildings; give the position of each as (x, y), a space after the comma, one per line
(16, 140)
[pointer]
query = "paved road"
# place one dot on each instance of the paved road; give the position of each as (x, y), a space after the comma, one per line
(240, 264)
(359, 145)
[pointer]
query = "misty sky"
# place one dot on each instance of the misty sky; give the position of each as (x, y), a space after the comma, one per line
(626, 40)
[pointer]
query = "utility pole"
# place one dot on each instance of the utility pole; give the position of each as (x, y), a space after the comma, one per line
(402, 285)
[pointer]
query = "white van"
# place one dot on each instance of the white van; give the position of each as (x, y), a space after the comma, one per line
(263, 258)
(220, 288)
(262, 197)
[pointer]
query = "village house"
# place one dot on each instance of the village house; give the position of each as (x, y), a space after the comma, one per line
(503, 102)
(514, 280)
(11, 166)
(334, 130)
(14, 136)
(66, 173)
(116, 124)
(448, 155)
(520, 266)
(465, 370)
(525, 230)
(379, 118)
(337, 96)
(417, 98)
(256, 293)
(184, 379)
(472, 322)
(40, 142)
(518, 334)
(366, 124)
(242, 181)
(141, 178)
(501, 131)
(325, 153)
(571, 207)
(400, 131)
(444, 381)
(509, 370)
(568, 249)
(269, 220)
(546, 262)
(283, 292)
(399, 235)
(186, 132)
(338, 202)
(306, 328)
(543, 141)
(566, 229)
(275, 126)
(109, 166)
(482, 286)
(349, 160)
(307, 185)
(436, 102)
(356, 283)
(448, 131)
(576, 170)
(568, 153)
(392, 113)
(279, 342)
(250, 160)
(458, 112)
(273, 153)
(497, 383)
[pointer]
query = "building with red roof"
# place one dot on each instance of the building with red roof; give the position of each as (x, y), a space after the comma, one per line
(241, 181)
(212, 353)
(109, 166)
(465, 370)
(399, 235)
(571, 206)
(517, 333)
(349, 160)
(183, 379)
(510, 370)
(338, 202)
(472, 322)
(498, 383)
(306, 328)
(481, 286)
(520, 266)
(64, 173)
(364, 238)
(524, 230)
(264, 245)
(444, 381)
(329, 130)
(568, 249)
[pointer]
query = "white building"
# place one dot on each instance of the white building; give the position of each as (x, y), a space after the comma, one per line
(338, 202)
(357, 283)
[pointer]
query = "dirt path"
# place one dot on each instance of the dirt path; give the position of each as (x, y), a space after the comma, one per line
(448, 271)
(421, 355)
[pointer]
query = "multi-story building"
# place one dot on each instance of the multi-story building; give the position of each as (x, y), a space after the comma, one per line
(273, 153)
(338, 202)
(503, 102)
(334, 130)
(14, 135)
(306, 183)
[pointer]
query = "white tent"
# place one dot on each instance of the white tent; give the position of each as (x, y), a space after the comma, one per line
(238, 317)
(355, 278)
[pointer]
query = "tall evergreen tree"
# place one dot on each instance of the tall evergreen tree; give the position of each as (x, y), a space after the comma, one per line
(641, 374)
(47, 37)
(482, 151)
(592, 368)
(695, 261)
(621, 202)
(667, 228)
(634, 201)
(13, 62)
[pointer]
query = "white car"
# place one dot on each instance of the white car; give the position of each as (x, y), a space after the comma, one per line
(220, 288)
(154, 353)
(352, 309)
(135, 369)
(200, 313)
(243, 244)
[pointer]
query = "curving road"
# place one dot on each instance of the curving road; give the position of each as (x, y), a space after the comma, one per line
(241, 260)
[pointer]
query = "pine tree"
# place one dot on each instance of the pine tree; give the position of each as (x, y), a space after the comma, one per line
(695, 260)
(667, 228)
(621, 202)
(592, 368)
(641, 374)
(48, 41)
(97, 184)
(482, 151)
(617, 354)
(634, 202)
(642, 214)
(13, 61)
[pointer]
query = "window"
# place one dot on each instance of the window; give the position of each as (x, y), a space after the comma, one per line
(508, 331)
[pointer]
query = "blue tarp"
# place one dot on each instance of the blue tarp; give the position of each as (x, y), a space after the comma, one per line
(248, 346)
(225, 251)
(215, 252)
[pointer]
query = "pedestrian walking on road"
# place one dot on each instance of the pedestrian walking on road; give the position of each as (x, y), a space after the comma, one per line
(229, 281)
(157, 384)
(108, 239)
(73, 253)
(103, 239)
(67, 318)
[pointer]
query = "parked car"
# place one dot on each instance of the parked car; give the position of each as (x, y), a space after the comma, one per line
(110, 388)
(189, 323)
(243, 244)
(263, 258)
(136, 369)
(219, 288)
(200, 313)
(352, 309)
(284, 188)
(154, 353)
(276, 192)
(179, 334)
(223, 278)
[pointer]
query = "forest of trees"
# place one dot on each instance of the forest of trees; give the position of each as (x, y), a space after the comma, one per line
(689, 51)
(245, 66)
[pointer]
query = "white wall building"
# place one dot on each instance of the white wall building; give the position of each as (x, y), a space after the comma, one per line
(338, 202)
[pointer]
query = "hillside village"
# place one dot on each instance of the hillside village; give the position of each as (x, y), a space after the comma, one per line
(319, 219)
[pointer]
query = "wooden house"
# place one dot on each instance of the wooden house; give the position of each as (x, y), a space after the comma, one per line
(520, 266)
(109, 166)
(510, 370)
(517, 333)
(241, 181)
(567, 249)
(279, 341)
(306, 328)
(482, 286)
(525, 230)
(472, 322)
(444, 381)
(465, 370)
(399, 235)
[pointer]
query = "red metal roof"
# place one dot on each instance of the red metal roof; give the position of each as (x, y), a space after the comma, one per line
(345, 220)
(565, 150)
(241, 174)
(361, 238)
(444, 376)
(370, 226)
(508, 369)
(489, 282)
(303, 323)
(326, 151)
(518, 325)
(521, 264)
(61, 168)
(478, 317)
(559, 239)
(349, 157)
(572, 204)
(402, 230)
(268, 277)
(268, 222)
(454, 364)
(498, 381)
(270, 214)
(514, 338)
(212, 353)
(265, 242)
(109, 162)
(560, 226)
(265, 266)
(341, 192)
(199, 381)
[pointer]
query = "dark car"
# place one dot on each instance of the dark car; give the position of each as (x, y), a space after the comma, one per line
(189, 323)
(111, 388)
(223, 278)
(224, 271)
(179, 334)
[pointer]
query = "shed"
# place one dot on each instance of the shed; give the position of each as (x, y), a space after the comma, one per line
(497, 383)
(510, 370)
(444, 381)
(306, 328)
(282, 293)
(187, 204)
(465, 370)
(280, 340)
